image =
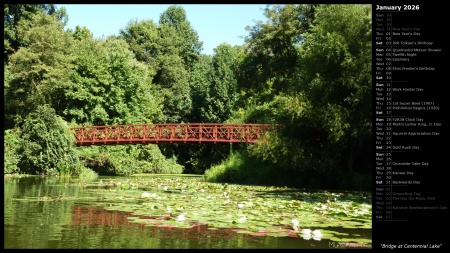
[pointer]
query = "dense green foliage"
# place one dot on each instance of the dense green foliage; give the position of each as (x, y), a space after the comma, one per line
(11, 156)
(15, 14)
(43, 145)
(138, 159)
(307, 67)
(39, 72)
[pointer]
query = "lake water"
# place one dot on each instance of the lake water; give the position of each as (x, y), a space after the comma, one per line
(63, 213)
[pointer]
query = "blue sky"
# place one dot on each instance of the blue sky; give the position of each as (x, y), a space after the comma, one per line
(214, 23)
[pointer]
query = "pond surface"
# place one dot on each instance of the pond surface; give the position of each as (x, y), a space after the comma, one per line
(179, 213)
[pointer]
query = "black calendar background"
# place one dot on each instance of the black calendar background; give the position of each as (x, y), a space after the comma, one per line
(417, 227)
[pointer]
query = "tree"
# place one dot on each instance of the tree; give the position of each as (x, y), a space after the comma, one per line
(40, 72)
(47, 144)
(22, 13)
(337, 75)
(200, 81)
(110, 86)
(271, 48)
(189, 44)
(171, 50)
(323, 96)
(143, 39)
(223, 92)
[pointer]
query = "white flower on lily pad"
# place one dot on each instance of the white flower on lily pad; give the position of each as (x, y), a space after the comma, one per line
(165, 188)
(295, 224)
(202, 190)
(240, 205)
(243, 218)
(181, 217)
(306, 231)
(145, 195)
(317, 233)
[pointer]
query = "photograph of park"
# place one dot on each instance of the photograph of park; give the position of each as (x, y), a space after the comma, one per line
(149, 138)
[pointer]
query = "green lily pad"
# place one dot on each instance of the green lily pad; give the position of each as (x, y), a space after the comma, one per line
(220, 225)
(277, 234)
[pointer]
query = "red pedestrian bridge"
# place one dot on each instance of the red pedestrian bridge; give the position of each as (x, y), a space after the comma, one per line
(171, 133)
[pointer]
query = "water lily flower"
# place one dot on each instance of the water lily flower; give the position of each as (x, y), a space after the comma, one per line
(165, 188)
(181, 217)
(306, 231)
(317, 233)
(295, 224)
(145, 195)
(240, 205)
(202, 190)
(243, 218)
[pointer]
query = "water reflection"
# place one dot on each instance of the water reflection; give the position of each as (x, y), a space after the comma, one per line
(41, 213)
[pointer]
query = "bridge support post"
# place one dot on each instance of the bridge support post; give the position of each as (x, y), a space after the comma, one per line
(200, 133)
(215, 134)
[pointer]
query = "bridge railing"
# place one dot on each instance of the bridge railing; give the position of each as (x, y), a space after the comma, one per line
(168, 133)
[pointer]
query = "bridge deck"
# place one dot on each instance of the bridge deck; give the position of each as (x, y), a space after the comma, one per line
(169, 133)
